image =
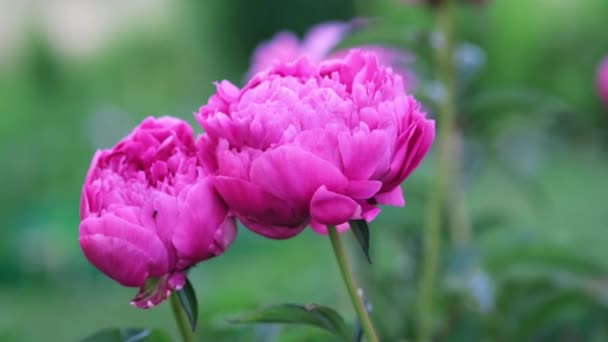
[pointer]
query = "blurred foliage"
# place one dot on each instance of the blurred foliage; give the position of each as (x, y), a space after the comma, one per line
(534, 147)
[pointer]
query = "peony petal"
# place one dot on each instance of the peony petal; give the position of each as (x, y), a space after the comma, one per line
(291, 173)
(225, 234)
(202, 215)
(369, 212)
(362, 190)
(364, 154)
(124, 251)
(319, 142)
(88, 203)
(392, 197)
(284, 47)
(322, 38)
(271, 231)
(161, 212)
(328, 207)
(411, 146)
(424, 136)
(114, 257)
(249, 200)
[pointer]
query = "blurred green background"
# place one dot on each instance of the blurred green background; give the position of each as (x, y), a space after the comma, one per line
(78, 75)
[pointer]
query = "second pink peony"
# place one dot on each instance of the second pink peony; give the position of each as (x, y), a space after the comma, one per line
(149, 212)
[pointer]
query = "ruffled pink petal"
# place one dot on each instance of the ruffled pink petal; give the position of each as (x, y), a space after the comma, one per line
(361, 190)
(328, 207)
(322, 38)
(249, 200)
(112, 257)
(364, 154)
(291, 173)
(283, 47)
(164, 214)
(124, 251)
(318, 142)
(203, 215)
(88, 200)
(412, 146)
(273, 231)
(392, 197)
(369, 212)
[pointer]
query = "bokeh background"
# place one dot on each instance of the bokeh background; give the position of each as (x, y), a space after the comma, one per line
(77, 75)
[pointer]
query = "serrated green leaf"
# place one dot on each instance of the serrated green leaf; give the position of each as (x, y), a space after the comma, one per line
(361, 231)
(311, 314)
(187, 299)
(128, 335)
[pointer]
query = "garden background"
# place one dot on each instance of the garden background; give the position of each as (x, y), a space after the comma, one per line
(78, 75)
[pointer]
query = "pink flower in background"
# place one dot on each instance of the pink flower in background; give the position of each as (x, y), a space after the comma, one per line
(149, 212)
(317, 45)
(317, 144)
(602, 80)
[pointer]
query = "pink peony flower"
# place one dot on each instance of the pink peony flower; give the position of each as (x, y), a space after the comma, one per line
(317, 45)
(317, 144)
(602, 80)
(149, 212)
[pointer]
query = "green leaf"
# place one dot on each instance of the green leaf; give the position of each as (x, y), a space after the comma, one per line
(311, 314)
(128, 335)
(187, 299)
(361, 231)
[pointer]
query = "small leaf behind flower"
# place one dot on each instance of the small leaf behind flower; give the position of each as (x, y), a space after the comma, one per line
(128, 335)
(361, 231)
(311, 314)
(187, 299)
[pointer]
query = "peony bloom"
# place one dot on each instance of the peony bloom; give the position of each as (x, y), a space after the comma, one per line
(602, 80)
(317, 144)
(149, 212)
(317, 46)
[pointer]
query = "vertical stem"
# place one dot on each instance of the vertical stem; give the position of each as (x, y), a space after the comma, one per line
(351, 285)
(444, 166)
(458, 215)
(180, 318)
(431, 245)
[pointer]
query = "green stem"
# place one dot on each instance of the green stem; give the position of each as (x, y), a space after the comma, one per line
(351, 285)
(444, 168)
(458, 215)
(180, 318)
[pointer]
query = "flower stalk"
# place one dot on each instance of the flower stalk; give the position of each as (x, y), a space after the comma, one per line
(351, 285)
(180, 318)
(444, 182)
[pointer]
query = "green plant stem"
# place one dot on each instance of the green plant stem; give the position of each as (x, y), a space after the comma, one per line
(180, 318)
(444, 168)
(351, 285)
(458, 215)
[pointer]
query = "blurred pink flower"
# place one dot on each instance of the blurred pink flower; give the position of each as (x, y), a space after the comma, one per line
(149, 211)
(317, 45)
(319, 144)
(602, 80)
